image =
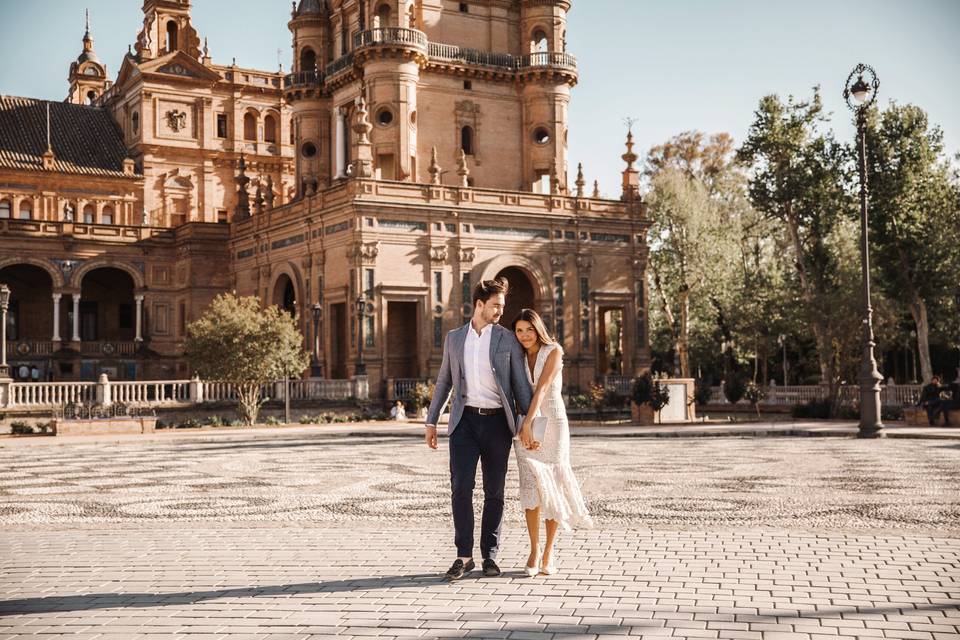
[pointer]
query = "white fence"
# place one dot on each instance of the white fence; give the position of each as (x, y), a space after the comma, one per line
(788, 396)
(171, 393)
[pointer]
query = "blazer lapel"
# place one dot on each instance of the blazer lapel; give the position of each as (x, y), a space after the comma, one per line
(460, 339)
(494, 342)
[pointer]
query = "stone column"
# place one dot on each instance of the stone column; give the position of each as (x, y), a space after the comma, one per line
(76, 317)
(139, 301)
(340, 156)
(56, 317)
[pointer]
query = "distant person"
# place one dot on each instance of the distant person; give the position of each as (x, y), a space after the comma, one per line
(951, 404)
(930, 399)
(398, 412)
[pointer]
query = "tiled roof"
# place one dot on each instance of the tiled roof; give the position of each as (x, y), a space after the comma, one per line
(311, 6)
(85, 140)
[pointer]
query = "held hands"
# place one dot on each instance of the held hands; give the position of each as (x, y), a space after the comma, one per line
(526, 436)
(431, 437)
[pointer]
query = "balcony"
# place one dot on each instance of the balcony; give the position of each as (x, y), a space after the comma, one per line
(303, 80)
(108, 348)
(391, 37)
(439, 52)
(29, 348)
(547, 59)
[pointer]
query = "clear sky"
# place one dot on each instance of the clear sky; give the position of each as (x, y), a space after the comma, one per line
(674, 65)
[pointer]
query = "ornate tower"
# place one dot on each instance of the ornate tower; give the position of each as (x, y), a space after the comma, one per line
(167, 29)
(88, 76)
(303, 89)
(547, 73)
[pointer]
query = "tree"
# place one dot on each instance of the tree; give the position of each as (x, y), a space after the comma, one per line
(913, 217)
(235, 341)
(801, 179)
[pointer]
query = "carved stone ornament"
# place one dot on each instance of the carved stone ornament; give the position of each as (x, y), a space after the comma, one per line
(584, 263)
(558, 262)
(438, 255)
(468, 254)
(366, 252)
(176, 120)
(177, 69)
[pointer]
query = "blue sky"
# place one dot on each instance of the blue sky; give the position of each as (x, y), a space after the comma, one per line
(673, 65)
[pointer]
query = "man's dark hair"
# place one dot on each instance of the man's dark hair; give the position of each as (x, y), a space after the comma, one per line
(487, 288)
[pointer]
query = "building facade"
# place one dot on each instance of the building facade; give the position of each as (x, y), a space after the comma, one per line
(416, 147)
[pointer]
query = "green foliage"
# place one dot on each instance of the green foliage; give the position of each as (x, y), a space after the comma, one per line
(649, 390)
(272, 421)
(421, 395)
(235, 341)
(579, 401)
(702, 392)
(20, 428)
(735, 387)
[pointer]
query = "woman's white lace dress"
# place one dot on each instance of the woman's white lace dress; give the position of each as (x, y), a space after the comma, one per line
(546, 479)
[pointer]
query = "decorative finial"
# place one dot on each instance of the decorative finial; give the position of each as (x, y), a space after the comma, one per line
(631, 177)
(206, 49)
(581, 183)
(293, 9)
(596, 188)
(87, 34)
(462, 170)
(258, 200)
(243, 198)
(363, 165)
(435, 172)
(270, 195)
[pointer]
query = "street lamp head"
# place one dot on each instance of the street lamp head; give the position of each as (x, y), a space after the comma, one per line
(4, 297)
(361, 304)
(860, 90)
(317, 310)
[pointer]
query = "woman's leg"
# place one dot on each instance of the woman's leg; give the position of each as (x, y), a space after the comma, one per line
(533, 530)
(551, 526)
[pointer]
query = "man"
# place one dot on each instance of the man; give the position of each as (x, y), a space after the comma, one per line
(930, 399)
(483, 371)
(953, 404)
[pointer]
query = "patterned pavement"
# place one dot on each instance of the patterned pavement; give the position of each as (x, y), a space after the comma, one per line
(295, 536)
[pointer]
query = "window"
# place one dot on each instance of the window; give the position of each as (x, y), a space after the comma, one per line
(106, 216)
(466, 297)
(383, 13)
(293, 139)
(135, 122)
(308, 60)
(558, 303)
(222, 125)
(26, 210)
(88, 214)
(222, 216)
(91, 97)
(182, 318)
(538, 41)
(541, 135)
(438, 286)
(464, 8)
(308, 150)
(171, 44)
(250, 127)
(385, 116)
(368, 284)
(270, 129)
(4, 208)
(13, 320)
(584, 313)
(437, 332)
(468, 85)
(88, 321)
(466, 140)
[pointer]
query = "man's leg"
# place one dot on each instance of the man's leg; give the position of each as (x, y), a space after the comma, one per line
(496, 442)
(931, 408)
(464, 454)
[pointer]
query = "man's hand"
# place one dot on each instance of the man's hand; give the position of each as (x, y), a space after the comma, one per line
(431, 436)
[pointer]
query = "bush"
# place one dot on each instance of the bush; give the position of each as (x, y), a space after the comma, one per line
(307, 419)
(579, 401)
(813, 410)
(44, 427)
(421, 395)
(20, 428)
(272, 421)
(702, 393)
(648, 390)
(162, 425)
(735, 388)
(189, 423)
(214, 421)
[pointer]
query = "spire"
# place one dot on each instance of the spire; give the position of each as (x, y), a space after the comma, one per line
(363, 166)
(596, 188)
(581, 183)
(87, 38)
(48, 156)
(631, 177)
(309, 7)
(435, 171)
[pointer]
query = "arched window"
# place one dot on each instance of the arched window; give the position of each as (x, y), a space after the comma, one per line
(171, 36)
(26, 210)
(91, 97)
(5, 208)
(270, 129)
(106, 216)
(466, 140)
(308, 60)
(250, 127)
(383, 12)
(88, 214)
(135, 121)
(538, 41)
(413, 17)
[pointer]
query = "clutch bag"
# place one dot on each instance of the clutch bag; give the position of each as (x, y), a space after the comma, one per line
(539, 428)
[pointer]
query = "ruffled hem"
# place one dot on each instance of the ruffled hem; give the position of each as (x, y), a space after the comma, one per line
(558, 494)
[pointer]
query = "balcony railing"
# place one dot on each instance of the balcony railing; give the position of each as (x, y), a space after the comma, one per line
(547, 59)
(27, 348)
(340, 64)
(108, 348)
(390, 36)
(303, 79)
(463, 55)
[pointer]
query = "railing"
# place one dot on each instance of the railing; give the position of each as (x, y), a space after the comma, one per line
(623, 385)
(547, 59)
(403, 387)
(317, 389)
(219, 392)
(464, 55)
(340, 64)
(51, 394)
(848, 395)
(108, 348)
(29, 348)
(389, 36)
(303, 79)
(151, 392)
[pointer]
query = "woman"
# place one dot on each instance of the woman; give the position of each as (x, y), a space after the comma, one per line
(548, 488)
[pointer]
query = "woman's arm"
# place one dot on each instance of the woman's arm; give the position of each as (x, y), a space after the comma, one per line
(550, 370)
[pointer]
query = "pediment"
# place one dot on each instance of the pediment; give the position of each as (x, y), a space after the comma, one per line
(128, 69)
(180, 65)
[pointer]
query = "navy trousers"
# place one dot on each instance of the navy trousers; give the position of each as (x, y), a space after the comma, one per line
(487, 440)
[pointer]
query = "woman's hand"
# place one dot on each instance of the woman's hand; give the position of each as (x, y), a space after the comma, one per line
(526, 436)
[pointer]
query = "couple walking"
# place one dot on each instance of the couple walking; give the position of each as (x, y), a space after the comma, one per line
(498, 380)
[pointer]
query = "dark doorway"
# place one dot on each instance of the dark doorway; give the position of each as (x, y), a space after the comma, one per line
(30, 316)
(339, 340)
(610, 356)
(285, 295)
(520, 295)
(106, 303)
(403, 340)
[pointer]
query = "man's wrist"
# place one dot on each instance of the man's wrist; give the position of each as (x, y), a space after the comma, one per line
(430, 426)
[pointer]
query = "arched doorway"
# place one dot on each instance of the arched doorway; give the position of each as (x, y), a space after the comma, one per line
(521, 294)
(285, 294)
(107, 312)
(29, 320)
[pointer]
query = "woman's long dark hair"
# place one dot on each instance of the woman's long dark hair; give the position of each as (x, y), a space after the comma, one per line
(531, 316)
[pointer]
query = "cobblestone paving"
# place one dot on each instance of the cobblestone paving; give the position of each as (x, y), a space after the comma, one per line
(295, 537)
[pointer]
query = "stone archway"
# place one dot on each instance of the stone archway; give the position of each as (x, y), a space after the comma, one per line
(521, 295)
(285, 294)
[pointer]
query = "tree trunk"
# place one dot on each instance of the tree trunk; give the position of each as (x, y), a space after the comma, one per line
(249, 398)
(918, 309)
(683, 341)
(820, 336)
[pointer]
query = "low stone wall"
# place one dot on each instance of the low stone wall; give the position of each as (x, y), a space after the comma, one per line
(111, 426)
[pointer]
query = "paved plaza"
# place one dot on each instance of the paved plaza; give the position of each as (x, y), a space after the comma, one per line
(300, 536)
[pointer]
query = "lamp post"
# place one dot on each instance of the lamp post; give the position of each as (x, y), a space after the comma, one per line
(782, 340)
(860, 92)
(361, 313)
(317, 316)
(4, 306)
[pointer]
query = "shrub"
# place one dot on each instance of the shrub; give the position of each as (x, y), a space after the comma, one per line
(189, 423)
(215, 421)
(813, 410)
(421, 395)
(44, 427)
(272, 421)
(579, 401)
(755, 394)
(307, 419)
(20, 428)
(702, 393)
(735, 388)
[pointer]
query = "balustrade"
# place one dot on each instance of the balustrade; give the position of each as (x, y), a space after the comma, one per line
(390, 36)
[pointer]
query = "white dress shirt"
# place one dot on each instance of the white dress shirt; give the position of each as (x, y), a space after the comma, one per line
(482, 390)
